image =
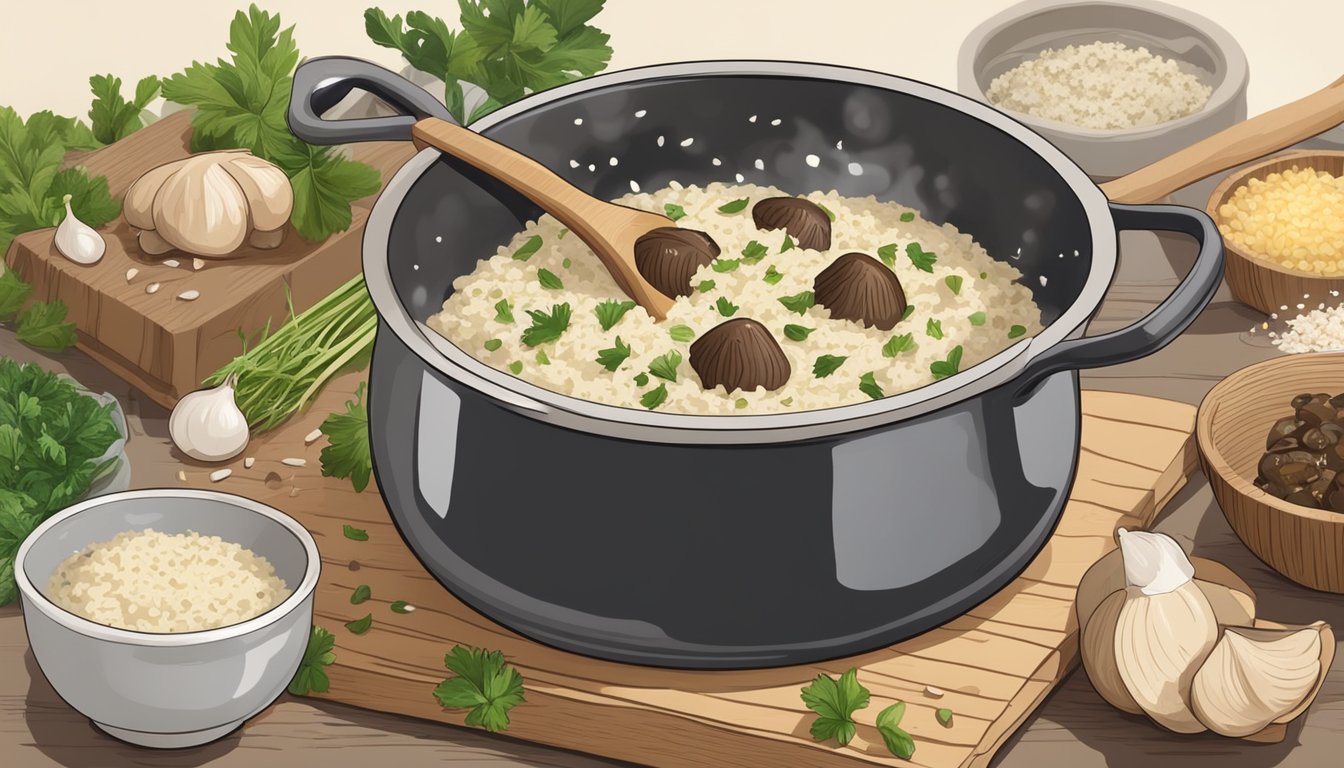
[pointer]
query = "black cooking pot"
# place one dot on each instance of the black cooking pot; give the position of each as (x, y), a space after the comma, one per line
(754, 540)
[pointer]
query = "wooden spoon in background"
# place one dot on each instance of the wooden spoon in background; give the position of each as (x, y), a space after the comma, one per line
(609, 229)
(1261, 135)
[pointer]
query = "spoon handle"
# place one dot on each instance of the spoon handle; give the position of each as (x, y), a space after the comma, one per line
(1261, 135)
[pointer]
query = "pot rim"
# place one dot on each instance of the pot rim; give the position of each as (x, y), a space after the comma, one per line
(445, 358)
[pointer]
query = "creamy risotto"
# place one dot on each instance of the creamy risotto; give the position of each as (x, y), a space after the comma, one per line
(544, 308)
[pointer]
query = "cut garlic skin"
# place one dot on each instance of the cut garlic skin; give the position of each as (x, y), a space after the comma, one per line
(1255, 677)
(76, 240)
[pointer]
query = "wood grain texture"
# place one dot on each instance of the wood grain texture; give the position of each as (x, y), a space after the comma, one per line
(1304, 544)
(163, 345)
(1259, 282)
(994, 665)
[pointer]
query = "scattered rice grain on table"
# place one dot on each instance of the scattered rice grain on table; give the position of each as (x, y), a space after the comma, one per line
(471, 318)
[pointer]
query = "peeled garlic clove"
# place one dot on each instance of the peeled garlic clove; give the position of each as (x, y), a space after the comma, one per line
(151, 244)
(76, 240)
(1160, 641)
(1097, 646)
(138, 207)
(201, 209)
(269, 194)
(1255, 676)
(208, 425)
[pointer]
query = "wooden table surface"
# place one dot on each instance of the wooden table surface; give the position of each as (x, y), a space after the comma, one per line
(1074, 728)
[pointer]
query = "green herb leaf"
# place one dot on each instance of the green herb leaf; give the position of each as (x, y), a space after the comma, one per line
(317, 655)
(887, 253)
(827, 364)
(654, 397)
(725, 307)
(347, 453)
(725, 265)
(492, 344)
(984, 275)
(354, 534)
(899, 743)
(528, 249)
(934, 328)
(868, 386)
(547, 326)
(826, 211)
(921, 258)
(516, 367)
(799, 302)
(360, 626)
(483, 684)
(111, 117)
(1016, 330)
(941, 369)
(787, 245)
(13, 292)
(642, 379)
(835, 702)
(400, 606)
(735, 206)
(976, 318)
(754, 252)
(541, 357)
(674, 211)
(909, 310)
(612, 357)
(42, 325)
(361, 594)
(565, 263)
(944, 716)
(772, 276)
(665, 366)
(503, 311)
(797, 332)
(898, 344)
(953, 283)
(908, 216)
(610, 312)
(548, 279)
(705, 286)
(681, 333)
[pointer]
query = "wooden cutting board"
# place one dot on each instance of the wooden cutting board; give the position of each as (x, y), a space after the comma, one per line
(162, 345)
(994, 665)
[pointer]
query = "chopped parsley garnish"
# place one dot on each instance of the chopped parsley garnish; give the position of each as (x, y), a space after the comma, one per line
(799, 302)
(360, 626)
(492, 344)
(944, 716)
(503, 312)
(976, 318)
(361, 593)
(909, 310)
(541, 358)
(899, 743)
(725, 307)
(835, 702)
(786, 401)
(354, 534)
(516, 367)
(740, 403)
(665, 366)
(725, 265)
(481, 683)
(797, 332)
(400, 606)
(610, 312)
(921, 258)
(898, 344)
(612, 357)
(548, 279)
(735, 206)
(754, 252)
(681, 333)
(934, 328)
(674, 211)
(654, 397)
(565, 263)
(547, 326)
(887, 253)
(908, 216)
(705, 286)
(312, 675)
(941, 369)
(772, 275)
(984, 275)
(525, 252)
(827, 364)
(1016, 331)
(562, 234)
(642, 379)
(826, 211)
(868, 386)
(787, 245)
(953, 283)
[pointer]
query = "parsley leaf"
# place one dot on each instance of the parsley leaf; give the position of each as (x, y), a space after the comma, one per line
(503, 311)
(826, 211)
(908, 216)
(548, 326)
(311, 677)
(941, 369)
(612, 357)
(797, 332)
(42, 325)
(111, 117)
(754, 252)
(934, 328)
(868, 386)
(13, 293)
(400, 606)
(944, 716)
(725, 265)
(674, 211)
(347, 451)
(665, 366)
(361, 594)
(482, 683)
(642, 379)
(887, 253)
(654, 397)
(610, 312)
(705, 286)
(492, 345)
(827, 364)
(787, 245)
(542, 359)
(354, 534)
(898, 344)
(909, 310)
(953, 283)
(835, 703)
(516, 367)
(921, 258)
(976, 318)
(360, 626)
(525, 251)
(899, 743)
(725, 307)
(1016, 330)
(799, 302)
(772, 275)
(735, 206)
(681, 333)
(548, 279)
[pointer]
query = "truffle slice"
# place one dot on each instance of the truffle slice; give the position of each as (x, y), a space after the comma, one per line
(804, 220)
(739, 354)
(860, 288)
(668, 257)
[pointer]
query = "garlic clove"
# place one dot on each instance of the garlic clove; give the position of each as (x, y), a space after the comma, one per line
(201, 209)
(266, 240)
(269, 194)
(1154, 562)
(1230, 607)
(138, 207)
(1097, 647)
(1255, 676)
(76, 240)
(208, 425)
(151, 244)
(1160, 641)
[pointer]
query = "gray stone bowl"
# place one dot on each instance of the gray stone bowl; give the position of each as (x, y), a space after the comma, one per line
(1196, 43)
(169, 690)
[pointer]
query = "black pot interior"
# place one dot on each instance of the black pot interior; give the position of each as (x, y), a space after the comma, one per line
(953, 167)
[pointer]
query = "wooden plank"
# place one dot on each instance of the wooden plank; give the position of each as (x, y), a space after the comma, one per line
(161, 345)
(994, 665)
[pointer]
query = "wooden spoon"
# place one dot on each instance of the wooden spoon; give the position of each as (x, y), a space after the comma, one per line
(1261, 135)
(609, 229)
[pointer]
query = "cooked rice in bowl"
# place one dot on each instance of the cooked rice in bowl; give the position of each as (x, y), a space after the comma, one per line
(963, 307)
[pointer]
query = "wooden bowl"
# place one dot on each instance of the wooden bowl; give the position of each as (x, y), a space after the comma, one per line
(1302, 543)
(1256, 281)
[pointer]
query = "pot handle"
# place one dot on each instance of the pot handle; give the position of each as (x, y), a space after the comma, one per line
(320, 83)
(1159, 327)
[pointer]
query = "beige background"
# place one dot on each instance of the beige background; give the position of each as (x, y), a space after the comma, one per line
(48, 48)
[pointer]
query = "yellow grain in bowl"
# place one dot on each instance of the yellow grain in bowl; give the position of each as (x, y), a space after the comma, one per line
(1294, 219)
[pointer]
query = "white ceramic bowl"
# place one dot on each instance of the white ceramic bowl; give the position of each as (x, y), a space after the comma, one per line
(169, 690)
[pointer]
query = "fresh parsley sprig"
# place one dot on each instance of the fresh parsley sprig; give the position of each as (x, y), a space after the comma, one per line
(835, 702)
(347, 451)
(317, 656)
(484, 684)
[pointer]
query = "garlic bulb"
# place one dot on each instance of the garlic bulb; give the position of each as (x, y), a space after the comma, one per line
(1256, 676)
(210, 204)
(208, 425)
(78, 241)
